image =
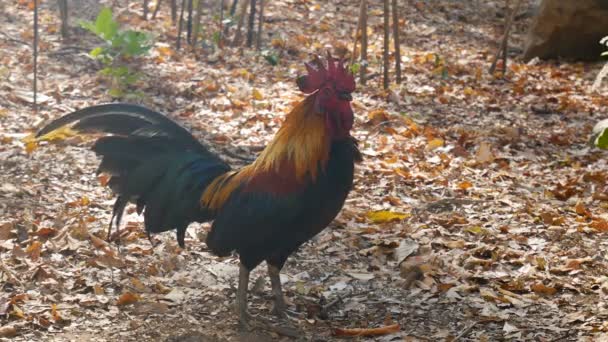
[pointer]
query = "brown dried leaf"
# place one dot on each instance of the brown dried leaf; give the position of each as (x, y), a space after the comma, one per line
(8, 331)
(34, 250)
(127, 298)
(542, 289)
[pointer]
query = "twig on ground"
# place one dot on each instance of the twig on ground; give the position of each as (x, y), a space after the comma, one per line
(465, 332)
(5, 269)
(505, 41)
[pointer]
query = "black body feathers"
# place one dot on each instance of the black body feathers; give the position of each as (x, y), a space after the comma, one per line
(153, 162)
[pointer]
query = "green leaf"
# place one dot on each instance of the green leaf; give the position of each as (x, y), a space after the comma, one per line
(355, 68)
(602, 139)
(216, 37)
(134, 43)
(88, 25)
(96, 52)
(270, 57)
(105, 26)
(116, 92)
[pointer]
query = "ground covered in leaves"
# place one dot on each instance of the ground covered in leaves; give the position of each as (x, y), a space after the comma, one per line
(479, 212)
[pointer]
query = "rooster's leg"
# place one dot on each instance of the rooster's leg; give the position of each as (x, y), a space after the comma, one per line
(279, 301)
(241, 296)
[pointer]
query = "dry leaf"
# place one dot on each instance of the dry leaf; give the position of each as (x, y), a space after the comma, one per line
(257, 95)
(383, 216)
(434, 143)
(34, 250)
(484, 153)
(55, 313)
(8, 331)
(465, 185)
(543, 290)
(127, 298)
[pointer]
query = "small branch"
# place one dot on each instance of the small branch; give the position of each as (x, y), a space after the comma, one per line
(251, 22)
(156, 9)
(258, 44)
(397, 42)
(221, 29)
(63, 13)
(363, 16)
(35, 55)
(242, 11)
(385, 80)
(357, 29)
(197, 23)
(180, 26)
(11, 275)
(465, 332)
(505, 41)
(189, 23)
(15, 40)
(233, 7)
(145, 15)
(173, 11)
(66, 50)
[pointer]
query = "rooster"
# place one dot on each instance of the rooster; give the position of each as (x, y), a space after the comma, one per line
(264, 211)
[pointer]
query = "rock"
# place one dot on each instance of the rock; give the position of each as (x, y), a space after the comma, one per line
(569, 29)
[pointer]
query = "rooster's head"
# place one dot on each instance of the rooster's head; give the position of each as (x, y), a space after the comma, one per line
(332, 86)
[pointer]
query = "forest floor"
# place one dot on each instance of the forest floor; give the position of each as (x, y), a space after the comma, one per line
(478, 214)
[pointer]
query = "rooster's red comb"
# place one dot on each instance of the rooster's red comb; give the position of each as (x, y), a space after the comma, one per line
(318, 75)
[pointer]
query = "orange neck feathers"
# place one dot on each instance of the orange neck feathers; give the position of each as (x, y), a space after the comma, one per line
(300, 146)
(302, 142)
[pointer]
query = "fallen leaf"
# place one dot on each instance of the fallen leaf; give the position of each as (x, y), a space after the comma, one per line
(127, 298)
(383, 216)
(257, 95)
(46, 232)
(542, 289)
(580, 209)
(55, 313)
(34, 250)
(484, 153)
(406, 248)
(8, 331)
(465, 185)
(435, 143)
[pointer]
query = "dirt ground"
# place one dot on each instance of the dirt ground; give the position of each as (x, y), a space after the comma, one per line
(479, 213)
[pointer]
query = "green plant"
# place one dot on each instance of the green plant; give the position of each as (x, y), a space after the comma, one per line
(599, 137)
(271, 57)
(120, 47)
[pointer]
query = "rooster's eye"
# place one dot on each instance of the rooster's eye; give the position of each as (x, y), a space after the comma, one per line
(345, 96)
